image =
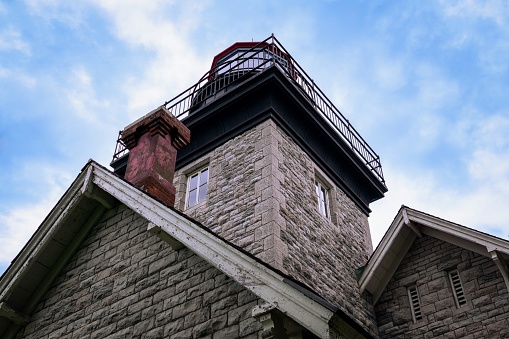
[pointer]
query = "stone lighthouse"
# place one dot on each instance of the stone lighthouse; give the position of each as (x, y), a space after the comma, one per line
(275, 168)
(239, 209)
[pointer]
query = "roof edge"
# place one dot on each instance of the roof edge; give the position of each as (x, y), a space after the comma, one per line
(373, 277)
(20, 262)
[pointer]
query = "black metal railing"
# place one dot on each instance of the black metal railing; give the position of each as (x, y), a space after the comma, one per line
(242, 65)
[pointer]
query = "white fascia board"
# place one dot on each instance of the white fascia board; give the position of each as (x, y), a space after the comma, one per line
(253, 275)
(42, 235)
(383, 247)
(488, 241)
(378, 276)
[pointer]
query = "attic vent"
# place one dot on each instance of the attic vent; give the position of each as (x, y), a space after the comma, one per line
(457, 288)
(415, 303)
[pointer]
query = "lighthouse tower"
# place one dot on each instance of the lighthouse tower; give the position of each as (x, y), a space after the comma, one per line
(276, 169)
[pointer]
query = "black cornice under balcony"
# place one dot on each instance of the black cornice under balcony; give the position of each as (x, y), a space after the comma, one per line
(271, 95)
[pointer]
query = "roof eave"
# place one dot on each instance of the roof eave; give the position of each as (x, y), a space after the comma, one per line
(398, 239)
(104, 188)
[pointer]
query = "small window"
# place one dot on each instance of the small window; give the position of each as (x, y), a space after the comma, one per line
(323, 198)
(457, 288)
(415, 303)
(197, 187)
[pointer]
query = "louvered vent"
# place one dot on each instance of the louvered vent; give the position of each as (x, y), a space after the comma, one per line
(415, 303)
(457, 288)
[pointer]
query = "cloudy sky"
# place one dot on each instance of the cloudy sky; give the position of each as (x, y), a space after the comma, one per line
(425, 82)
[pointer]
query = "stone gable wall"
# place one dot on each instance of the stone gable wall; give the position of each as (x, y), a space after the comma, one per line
(261, 196)
(124, 282)
(485, 315)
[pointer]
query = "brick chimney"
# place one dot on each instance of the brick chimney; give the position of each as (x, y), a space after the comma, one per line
(153, 142)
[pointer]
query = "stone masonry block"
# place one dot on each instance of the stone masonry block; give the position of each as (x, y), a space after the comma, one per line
(437, 284)
(267, 193)
(172, 300)
(186, 307)
(407, 280)
(222, 306)
(228, 332)
(264, 206)
(197, 317)
(281, 246)
(241, 313)
(268, 242)
(173, 327)
(263, 183)
(270, 170)
(279, 197)
(151, 311)
(221, 283)
(209, 327)
(189, 283)
(200, 289)
(249, 326)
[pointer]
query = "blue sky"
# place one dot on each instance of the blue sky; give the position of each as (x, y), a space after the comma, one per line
(426, 83)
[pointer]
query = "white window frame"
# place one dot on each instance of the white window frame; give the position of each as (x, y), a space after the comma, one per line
(322, 195)
(200, 196)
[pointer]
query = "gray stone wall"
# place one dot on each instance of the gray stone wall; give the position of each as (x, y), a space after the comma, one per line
(426, 265)
(323, 252)
(240, 204)
(124, 282)
(262, 197)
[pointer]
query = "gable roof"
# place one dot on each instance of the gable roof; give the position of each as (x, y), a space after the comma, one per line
(410, 224)
(96, 190)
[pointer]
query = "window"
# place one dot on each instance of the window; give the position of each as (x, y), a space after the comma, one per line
(415, 303)
(323, 198)
(457, 288)
(197, 187)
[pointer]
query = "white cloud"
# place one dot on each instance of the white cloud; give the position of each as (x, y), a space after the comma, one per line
(495, 10)
(164, 30)
(82, 96)
(489, 161)
(420, 111)
(19, 223)
(378, 90)
(297, 20)
(18, 76)
(10, 39)
(493, 56)
(390, 74)
(480, 202)
(68, 12)
(434, 87)
(492, 132)
(470, 24)
(482, 206)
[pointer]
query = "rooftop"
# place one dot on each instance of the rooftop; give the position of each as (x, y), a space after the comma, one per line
(244, 60)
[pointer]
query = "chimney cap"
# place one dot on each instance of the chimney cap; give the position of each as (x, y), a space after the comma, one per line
(158, 121)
